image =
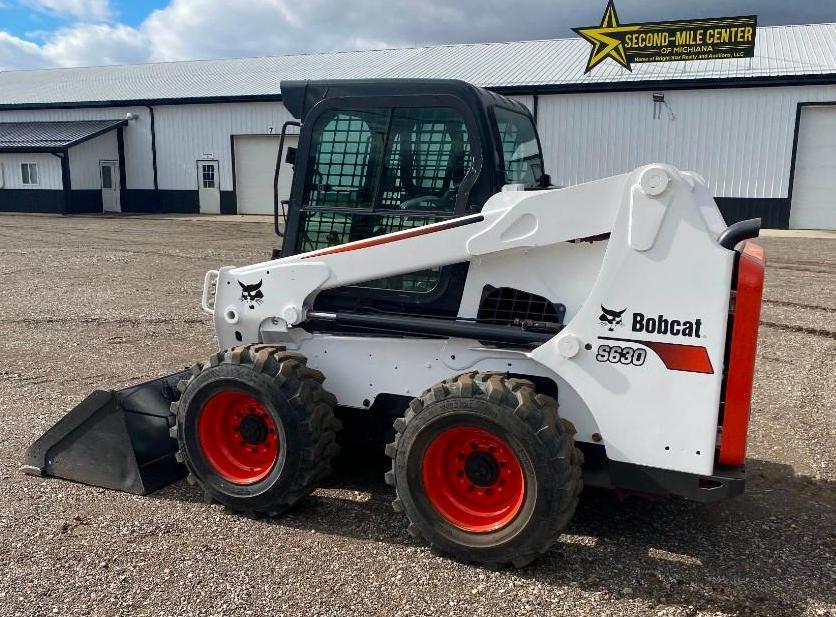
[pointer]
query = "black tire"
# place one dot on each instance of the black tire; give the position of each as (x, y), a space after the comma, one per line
(543, 443)
(292, 395)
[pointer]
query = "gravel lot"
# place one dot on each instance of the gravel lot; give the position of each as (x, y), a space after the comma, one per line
(109, 301)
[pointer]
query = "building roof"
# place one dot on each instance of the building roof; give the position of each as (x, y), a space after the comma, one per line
(783, 54)
(51, 136)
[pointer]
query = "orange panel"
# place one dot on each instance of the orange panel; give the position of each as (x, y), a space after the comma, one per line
(744, 342)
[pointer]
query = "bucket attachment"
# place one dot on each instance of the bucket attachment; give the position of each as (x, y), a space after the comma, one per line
(114, 439)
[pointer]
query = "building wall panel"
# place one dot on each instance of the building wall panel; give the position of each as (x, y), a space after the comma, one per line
(85, 158)
(740, 139)
(189, 133)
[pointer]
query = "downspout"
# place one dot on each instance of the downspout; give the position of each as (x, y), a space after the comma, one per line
(66, 181)
(154, 155)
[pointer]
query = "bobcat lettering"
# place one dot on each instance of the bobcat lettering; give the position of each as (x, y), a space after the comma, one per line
(663, 325)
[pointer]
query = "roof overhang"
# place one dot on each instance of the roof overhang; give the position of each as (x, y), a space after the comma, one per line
(52, 137)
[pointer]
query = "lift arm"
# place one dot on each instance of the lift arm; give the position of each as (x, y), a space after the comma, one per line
(513, 220)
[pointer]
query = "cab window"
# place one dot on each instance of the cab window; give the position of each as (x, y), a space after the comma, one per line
(522, 159)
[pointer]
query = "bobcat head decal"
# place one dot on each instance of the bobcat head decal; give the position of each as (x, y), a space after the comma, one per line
(610, 318)
(251, 294)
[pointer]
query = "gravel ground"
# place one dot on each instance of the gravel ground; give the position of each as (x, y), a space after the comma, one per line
(109, 301)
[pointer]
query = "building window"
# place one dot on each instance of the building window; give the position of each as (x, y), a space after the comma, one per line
(29, 174)
(208, 176)
(107, 177)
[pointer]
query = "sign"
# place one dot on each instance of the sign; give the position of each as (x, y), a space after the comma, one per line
(669, 41)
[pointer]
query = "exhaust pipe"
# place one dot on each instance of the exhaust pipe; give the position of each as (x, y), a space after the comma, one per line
(114, 439)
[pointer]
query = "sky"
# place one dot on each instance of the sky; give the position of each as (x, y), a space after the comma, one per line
(59, 33)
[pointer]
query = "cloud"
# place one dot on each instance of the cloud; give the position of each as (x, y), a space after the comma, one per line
(81, 45)
(96, 44)
(20, 54)
(197, 29)
(82, 10)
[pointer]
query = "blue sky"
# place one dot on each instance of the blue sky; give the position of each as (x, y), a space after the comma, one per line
(21, 18)
(48, 33)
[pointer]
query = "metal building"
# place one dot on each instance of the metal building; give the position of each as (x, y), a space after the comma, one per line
(203, 136)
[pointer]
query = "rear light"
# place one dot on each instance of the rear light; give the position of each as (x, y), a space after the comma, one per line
(741, 364)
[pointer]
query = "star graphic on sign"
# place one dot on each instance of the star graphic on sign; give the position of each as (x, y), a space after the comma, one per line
(605, 40)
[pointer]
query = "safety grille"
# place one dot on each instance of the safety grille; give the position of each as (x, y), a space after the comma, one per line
(342, 155)
(505, 305)
(428, 158)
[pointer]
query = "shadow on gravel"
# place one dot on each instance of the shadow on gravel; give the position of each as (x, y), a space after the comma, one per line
(768, 553)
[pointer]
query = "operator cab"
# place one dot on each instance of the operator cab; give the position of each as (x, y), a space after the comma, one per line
(379, 156)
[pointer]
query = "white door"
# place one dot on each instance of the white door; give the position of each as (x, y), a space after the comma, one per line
(255, 169)
(814, 187)
(208, 187)
(110, 186)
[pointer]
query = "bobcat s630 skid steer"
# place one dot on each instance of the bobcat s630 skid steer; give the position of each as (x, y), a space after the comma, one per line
(521, 339)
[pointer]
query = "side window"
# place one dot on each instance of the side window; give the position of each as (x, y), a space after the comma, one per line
(523, 162)
(429, 156)
(29, 173)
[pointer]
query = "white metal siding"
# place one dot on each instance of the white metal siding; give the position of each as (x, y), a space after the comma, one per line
(49, 171)
(85, 158)
(188, 133)
(814, 187)
(740, 139)
(138, 161)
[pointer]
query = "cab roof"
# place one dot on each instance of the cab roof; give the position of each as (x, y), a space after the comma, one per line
(299, 97)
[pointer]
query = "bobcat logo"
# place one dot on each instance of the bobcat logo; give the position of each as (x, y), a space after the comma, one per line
(251, 294)
(610, 318)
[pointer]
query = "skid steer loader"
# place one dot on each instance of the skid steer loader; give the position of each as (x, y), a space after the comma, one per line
(522, 340)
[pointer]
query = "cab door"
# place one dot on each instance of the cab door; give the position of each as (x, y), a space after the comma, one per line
(369, 171)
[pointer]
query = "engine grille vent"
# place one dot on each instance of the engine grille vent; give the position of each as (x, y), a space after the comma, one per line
(506, 305)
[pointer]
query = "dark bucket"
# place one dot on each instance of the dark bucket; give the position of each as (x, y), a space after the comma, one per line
(114, 439)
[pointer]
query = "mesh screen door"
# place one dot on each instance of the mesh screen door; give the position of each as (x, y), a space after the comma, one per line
(376, 171)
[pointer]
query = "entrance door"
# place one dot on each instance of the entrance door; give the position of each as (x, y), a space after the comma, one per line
(208, 187)
(110, 186)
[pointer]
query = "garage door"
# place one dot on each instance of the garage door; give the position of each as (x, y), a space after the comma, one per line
(255, 166)
(814, 187)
